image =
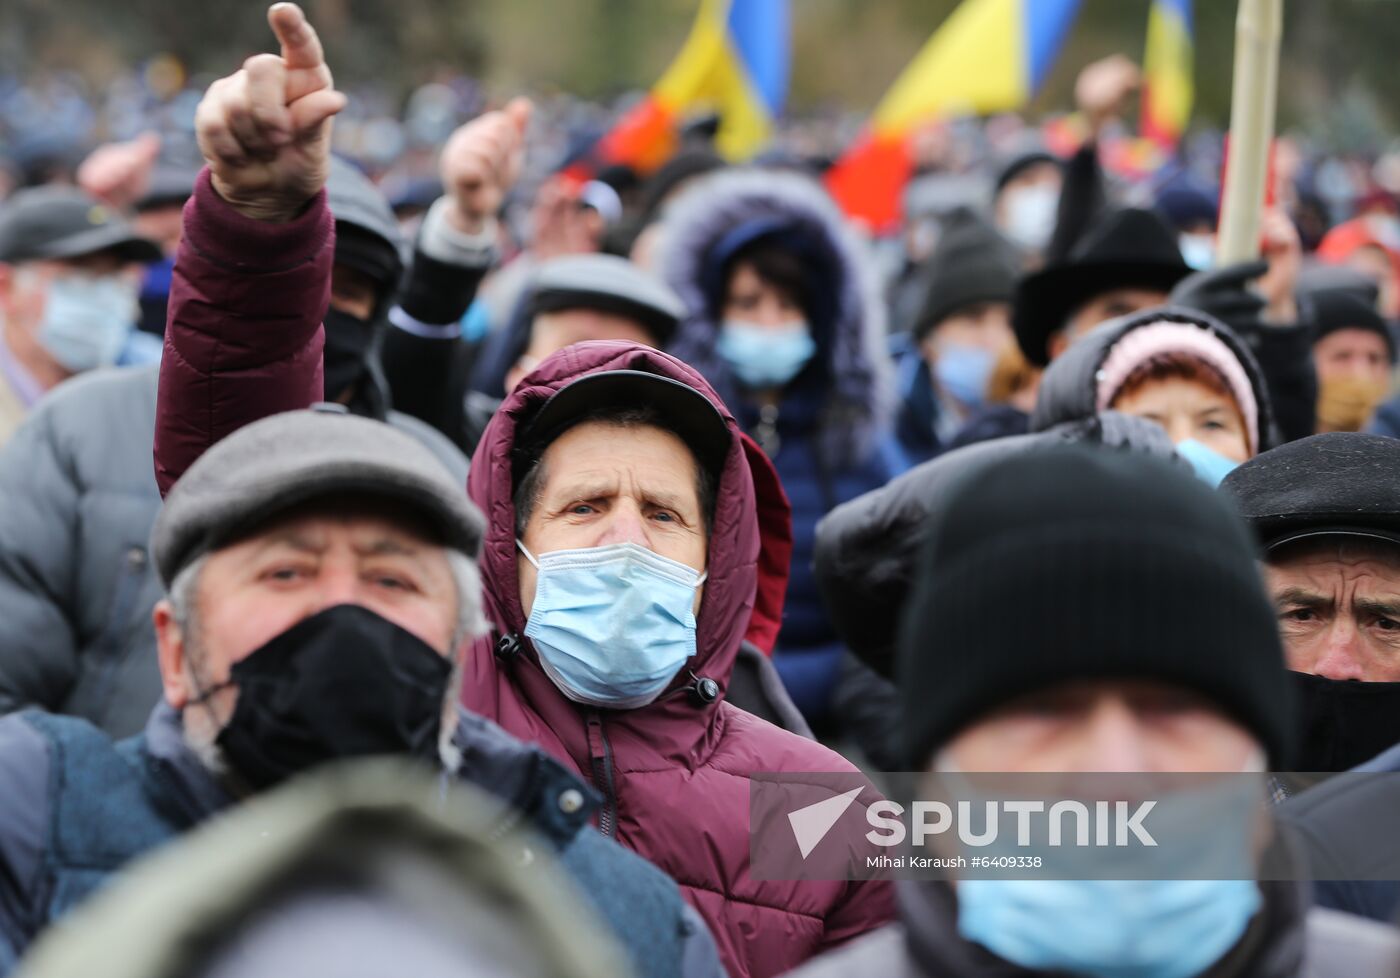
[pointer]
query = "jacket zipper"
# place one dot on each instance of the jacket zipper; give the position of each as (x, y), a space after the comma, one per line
(601, 752)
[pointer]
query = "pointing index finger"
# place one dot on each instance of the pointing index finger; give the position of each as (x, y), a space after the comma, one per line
(301, 48)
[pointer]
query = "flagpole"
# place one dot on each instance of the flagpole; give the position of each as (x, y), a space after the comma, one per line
(1258, 29)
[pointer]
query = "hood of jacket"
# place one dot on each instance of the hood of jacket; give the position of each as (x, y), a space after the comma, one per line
(1069, 387)
(742, 576)
(850, 325)
(867, 549)
(386, 833)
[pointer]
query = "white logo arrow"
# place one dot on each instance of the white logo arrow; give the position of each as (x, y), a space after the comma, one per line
(811, 824)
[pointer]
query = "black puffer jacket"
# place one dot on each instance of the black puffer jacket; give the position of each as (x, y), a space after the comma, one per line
(866, 548)
(1069, 388)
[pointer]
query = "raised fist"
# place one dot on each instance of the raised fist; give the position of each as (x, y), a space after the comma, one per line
(1102, 88)
(120, 173)
(265, 130)
(481, 162)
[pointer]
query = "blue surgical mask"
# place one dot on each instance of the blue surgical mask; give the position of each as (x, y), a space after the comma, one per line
(962, 372)
(1197, 250)
(1108, 928)
(763, 356)
(612, 625)
(1211, 467)
(87, 320)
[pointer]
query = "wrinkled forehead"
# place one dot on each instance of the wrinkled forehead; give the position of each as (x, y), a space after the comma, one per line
(618, 454)
(1339, 553)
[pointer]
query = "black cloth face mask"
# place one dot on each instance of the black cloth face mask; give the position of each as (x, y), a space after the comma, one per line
(349, 347)
(343, 683)
(1343, 722)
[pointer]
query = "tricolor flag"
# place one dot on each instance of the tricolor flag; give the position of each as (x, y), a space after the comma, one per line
(988, 56)
(734, 62)
(1167, 88)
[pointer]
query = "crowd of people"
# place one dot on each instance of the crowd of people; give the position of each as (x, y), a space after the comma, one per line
(553, 534)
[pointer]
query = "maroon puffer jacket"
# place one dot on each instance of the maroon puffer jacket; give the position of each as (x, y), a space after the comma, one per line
(244, 337)
(675, 772)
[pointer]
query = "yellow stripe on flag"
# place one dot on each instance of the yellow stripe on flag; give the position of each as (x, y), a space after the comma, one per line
(707, 74)
(1167, 68)
(973, 64)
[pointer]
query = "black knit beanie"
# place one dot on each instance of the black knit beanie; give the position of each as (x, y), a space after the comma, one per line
(1069, 563)
(971, 263)
(1333, 310)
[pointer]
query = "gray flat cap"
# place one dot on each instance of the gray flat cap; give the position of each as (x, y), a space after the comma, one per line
(609, 284)
(65, 222)
(281, 462)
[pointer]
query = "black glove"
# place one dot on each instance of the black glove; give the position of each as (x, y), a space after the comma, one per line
(1284, 350)
(1225, 294)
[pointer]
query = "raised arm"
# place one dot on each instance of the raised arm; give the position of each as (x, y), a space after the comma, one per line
(252, 277)
(425, 359)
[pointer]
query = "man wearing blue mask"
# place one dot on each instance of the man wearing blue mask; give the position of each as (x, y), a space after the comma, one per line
(69, 276)
(1081, 611)
(632, 548)
(943, 366)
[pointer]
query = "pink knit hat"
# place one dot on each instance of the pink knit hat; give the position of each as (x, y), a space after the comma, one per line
(1147, 343)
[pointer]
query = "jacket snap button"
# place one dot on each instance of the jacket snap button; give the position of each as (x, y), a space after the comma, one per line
(570, 801)
(527, 856)
(507, 647)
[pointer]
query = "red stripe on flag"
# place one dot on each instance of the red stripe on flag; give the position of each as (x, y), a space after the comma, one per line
(868, 179)
(643, 139)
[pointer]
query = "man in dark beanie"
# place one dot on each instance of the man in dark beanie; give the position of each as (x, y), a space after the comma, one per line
(1089, 547)
(1025, 194)
(1353, 352)
(963, 326)
(1086, 611)
(1326, 513)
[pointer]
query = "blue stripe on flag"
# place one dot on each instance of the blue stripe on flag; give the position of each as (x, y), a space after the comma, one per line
(1046, 22)
(1181, 8)
(759, 30)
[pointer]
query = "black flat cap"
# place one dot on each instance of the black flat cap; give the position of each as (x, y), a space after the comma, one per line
(682, 409)
(1336, 484)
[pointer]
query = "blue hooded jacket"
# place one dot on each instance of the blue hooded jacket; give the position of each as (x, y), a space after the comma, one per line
(831, 439)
